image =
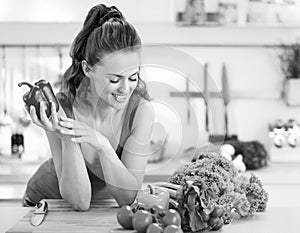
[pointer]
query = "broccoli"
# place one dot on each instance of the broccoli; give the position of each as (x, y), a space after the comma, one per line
(210, 180)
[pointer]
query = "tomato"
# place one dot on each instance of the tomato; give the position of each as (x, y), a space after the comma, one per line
(138, 206)
(154, 228)
(205, 217)
(124, 217)
(219, 225)
(141, 220)
(173, 229)
(157, 210)
(213, 221)
(171, 217)
(218, 211)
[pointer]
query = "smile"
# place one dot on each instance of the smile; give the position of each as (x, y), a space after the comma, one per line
(119, 98)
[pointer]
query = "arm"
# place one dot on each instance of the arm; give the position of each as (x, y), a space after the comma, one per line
(74, 184)
(125, 177)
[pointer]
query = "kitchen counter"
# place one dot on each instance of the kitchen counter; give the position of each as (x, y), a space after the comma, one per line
(102, 218)
(281, 180)
(18, 172)
(15, 173)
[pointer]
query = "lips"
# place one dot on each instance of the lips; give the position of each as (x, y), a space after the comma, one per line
(119, 97)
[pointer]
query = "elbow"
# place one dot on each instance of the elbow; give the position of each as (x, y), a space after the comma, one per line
(81, 205)
(78, 202)
(126, 198)
(121, 195)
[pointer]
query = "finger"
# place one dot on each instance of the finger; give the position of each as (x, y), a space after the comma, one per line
(33, 115)
(72, 124)
(54, 114)
(79, 139)
(68, 125)
(44, 118)
(62, 118)
(26, 107)
(74, 132)
(71, 121)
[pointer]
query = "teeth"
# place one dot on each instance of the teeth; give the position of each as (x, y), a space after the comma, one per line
(119, 97)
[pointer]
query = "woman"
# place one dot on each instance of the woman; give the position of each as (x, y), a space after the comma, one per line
(99, 138)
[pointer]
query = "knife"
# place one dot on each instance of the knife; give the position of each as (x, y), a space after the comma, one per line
(39, 214)
(226, 96)
(205, 92)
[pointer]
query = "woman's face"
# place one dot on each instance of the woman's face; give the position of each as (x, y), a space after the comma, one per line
(116, 78)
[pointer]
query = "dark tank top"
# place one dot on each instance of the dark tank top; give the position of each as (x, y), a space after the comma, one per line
(44, 183)
(128, 120)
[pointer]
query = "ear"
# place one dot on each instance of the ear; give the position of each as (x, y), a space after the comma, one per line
(86, 68)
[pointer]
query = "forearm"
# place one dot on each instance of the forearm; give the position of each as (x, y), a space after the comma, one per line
(55, 147)
(74, 183)
(120, 182)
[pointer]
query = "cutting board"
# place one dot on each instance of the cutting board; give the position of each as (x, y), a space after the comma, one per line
(101, 217)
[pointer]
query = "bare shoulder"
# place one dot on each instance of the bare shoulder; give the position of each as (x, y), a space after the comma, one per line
(144, 115)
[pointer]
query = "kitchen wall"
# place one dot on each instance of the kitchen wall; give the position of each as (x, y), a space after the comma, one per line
(249, 52)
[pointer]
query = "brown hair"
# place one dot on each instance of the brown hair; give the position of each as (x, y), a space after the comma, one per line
(104, 31)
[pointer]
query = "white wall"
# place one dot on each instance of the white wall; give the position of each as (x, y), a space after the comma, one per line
(254, 75)
(70, 11)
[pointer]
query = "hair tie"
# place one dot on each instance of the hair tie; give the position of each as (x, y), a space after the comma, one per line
(109, 15)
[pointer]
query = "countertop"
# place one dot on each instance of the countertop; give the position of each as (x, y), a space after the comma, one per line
(281, 180)
(14, 174)
(101, 217)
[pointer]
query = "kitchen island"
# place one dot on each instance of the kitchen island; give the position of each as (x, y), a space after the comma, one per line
(281, 180)
(102, 218)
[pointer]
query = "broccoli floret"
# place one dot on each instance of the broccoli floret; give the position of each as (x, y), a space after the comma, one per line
(256, 195)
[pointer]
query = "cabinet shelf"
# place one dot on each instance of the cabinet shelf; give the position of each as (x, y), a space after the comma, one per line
(157, 33)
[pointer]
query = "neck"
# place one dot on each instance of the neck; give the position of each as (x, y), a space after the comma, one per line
(103, 111)
(100, 110)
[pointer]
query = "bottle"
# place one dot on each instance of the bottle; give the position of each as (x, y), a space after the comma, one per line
(17, 144)
(5, 134)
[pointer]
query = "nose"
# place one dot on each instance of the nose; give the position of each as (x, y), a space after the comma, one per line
(124, 86)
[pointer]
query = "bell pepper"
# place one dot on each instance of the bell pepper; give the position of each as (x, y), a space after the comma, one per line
(40, 93)
(154, 196)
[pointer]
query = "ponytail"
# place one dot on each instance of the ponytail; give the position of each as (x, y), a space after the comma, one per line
(104, 31)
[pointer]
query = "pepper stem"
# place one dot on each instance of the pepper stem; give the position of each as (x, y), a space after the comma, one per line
(151, 189)
(25, 83)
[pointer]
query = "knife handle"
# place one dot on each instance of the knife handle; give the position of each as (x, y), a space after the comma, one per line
(42, 208)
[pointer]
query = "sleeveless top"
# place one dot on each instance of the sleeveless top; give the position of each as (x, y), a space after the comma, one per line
(44, 183)
(128, 120)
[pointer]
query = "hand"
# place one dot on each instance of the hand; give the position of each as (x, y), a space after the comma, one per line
(80, 132)
(49, 124)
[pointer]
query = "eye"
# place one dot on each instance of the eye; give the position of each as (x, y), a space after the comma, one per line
(114, 81)
(134, 77)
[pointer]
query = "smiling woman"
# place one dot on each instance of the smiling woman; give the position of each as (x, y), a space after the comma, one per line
(100, 137)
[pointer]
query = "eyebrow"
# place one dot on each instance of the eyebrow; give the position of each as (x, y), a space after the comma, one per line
(122, 76)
